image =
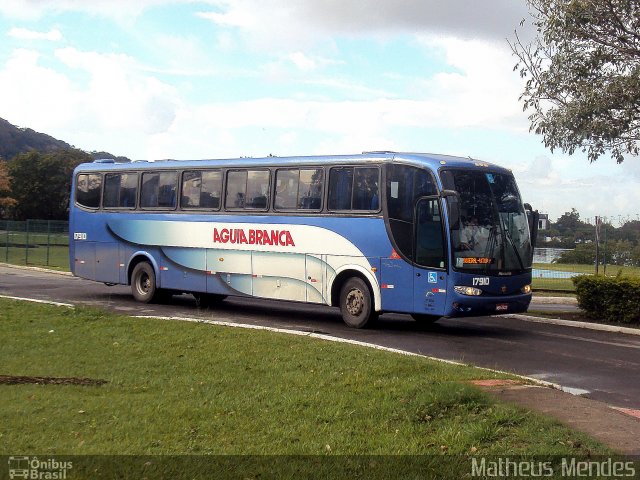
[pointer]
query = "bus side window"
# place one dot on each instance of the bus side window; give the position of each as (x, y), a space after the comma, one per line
(158, 190)
(287, 189)
(120, 190)
(366, 186)
(236, 189)
(310, 189)
(340, 188)
(88, 187)
(258, 189)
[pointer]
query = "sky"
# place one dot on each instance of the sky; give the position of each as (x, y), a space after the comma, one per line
(191, 79)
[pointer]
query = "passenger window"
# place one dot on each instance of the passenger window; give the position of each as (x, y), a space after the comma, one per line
(236, 189)
(310, 189)
(158, 190)
(120, 190)
(365, 191)
(299, 189)
(88, 187)
(248, 189)
(354, 188)
(201, 189)
(257, 189)
(340, 188)
(287, 182)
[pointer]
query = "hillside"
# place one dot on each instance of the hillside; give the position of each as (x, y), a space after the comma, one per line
(15, 140)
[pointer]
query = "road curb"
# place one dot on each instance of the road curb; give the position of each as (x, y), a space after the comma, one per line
(554, 300)
(575, 324)
(36, 269)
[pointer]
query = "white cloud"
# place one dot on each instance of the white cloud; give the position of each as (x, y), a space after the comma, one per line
(35, 96)
(285, 21)
(53, 35)
(114, 110)
(557, 183)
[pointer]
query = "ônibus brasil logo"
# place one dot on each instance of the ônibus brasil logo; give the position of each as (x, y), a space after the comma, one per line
(252, 236)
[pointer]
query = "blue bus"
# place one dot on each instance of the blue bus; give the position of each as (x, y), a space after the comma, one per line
(429, 235)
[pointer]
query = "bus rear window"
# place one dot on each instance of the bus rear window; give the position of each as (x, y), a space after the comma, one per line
(88, 188)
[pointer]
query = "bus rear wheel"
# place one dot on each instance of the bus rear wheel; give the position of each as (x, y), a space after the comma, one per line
(143, 283)
(355, 303)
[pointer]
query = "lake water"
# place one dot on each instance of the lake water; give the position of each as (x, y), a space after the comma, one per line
(544, 273)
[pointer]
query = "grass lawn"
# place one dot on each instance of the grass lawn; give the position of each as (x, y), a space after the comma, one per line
(182, 388)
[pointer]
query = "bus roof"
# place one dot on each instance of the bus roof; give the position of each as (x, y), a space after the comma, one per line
(429, 160)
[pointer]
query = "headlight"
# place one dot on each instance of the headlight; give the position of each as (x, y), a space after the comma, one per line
(526, 289)
(472, 291)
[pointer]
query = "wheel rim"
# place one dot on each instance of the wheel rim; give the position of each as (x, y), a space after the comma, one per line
(144, 284)
(355, 302)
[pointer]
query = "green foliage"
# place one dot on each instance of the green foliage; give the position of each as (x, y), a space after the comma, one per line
(582, 74)
(6, 200)
(584, 254)
(613, 299)
(40, 183)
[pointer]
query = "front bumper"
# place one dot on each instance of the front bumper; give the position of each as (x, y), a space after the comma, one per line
(470, 306)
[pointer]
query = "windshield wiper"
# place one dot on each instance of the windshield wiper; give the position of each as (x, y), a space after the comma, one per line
(507, 235)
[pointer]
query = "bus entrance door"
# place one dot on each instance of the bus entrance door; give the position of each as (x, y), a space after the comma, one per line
(396, 284)
(430, 279)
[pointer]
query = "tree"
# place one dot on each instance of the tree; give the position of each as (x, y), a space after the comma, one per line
(6, 201)
(582, 254)
(41, 183)
(583, 75)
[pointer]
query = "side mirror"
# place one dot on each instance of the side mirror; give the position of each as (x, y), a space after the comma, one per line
(453, 198)
(533, 216)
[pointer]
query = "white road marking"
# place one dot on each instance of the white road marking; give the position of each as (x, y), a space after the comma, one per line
(35, 300)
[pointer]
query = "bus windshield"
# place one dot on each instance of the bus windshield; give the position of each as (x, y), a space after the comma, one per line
(489, 229)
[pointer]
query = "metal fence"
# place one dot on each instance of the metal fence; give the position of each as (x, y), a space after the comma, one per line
(35, 242)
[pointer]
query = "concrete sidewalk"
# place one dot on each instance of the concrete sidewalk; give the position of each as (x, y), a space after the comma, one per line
(617, 428)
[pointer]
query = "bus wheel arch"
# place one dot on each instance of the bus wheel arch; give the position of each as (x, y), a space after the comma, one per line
(137, 258)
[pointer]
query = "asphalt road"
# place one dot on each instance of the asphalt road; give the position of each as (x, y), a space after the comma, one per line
(603, 366)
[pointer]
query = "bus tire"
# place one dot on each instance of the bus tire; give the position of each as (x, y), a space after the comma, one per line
(425, 319)
(356, 303)
(143, 283)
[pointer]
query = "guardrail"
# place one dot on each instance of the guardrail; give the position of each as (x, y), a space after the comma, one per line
(35, 242)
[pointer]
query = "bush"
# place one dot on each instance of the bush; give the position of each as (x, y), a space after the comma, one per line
(613, 299)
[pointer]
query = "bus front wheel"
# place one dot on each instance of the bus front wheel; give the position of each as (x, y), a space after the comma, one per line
(355, 303)
(143, 282)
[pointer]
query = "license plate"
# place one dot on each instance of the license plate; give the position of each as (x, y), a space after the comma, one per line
(502, 307)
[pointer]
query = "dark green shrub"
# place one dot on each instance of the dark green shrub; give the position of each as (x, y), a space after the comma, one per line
(613, 299)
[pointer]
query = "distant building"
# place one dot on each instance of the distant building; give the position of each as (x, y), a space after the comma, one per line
(543, 221)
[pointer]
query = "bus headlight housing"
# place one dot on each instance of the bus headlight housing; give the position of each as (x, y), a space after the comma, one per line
(526, 289)
(470, 291)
